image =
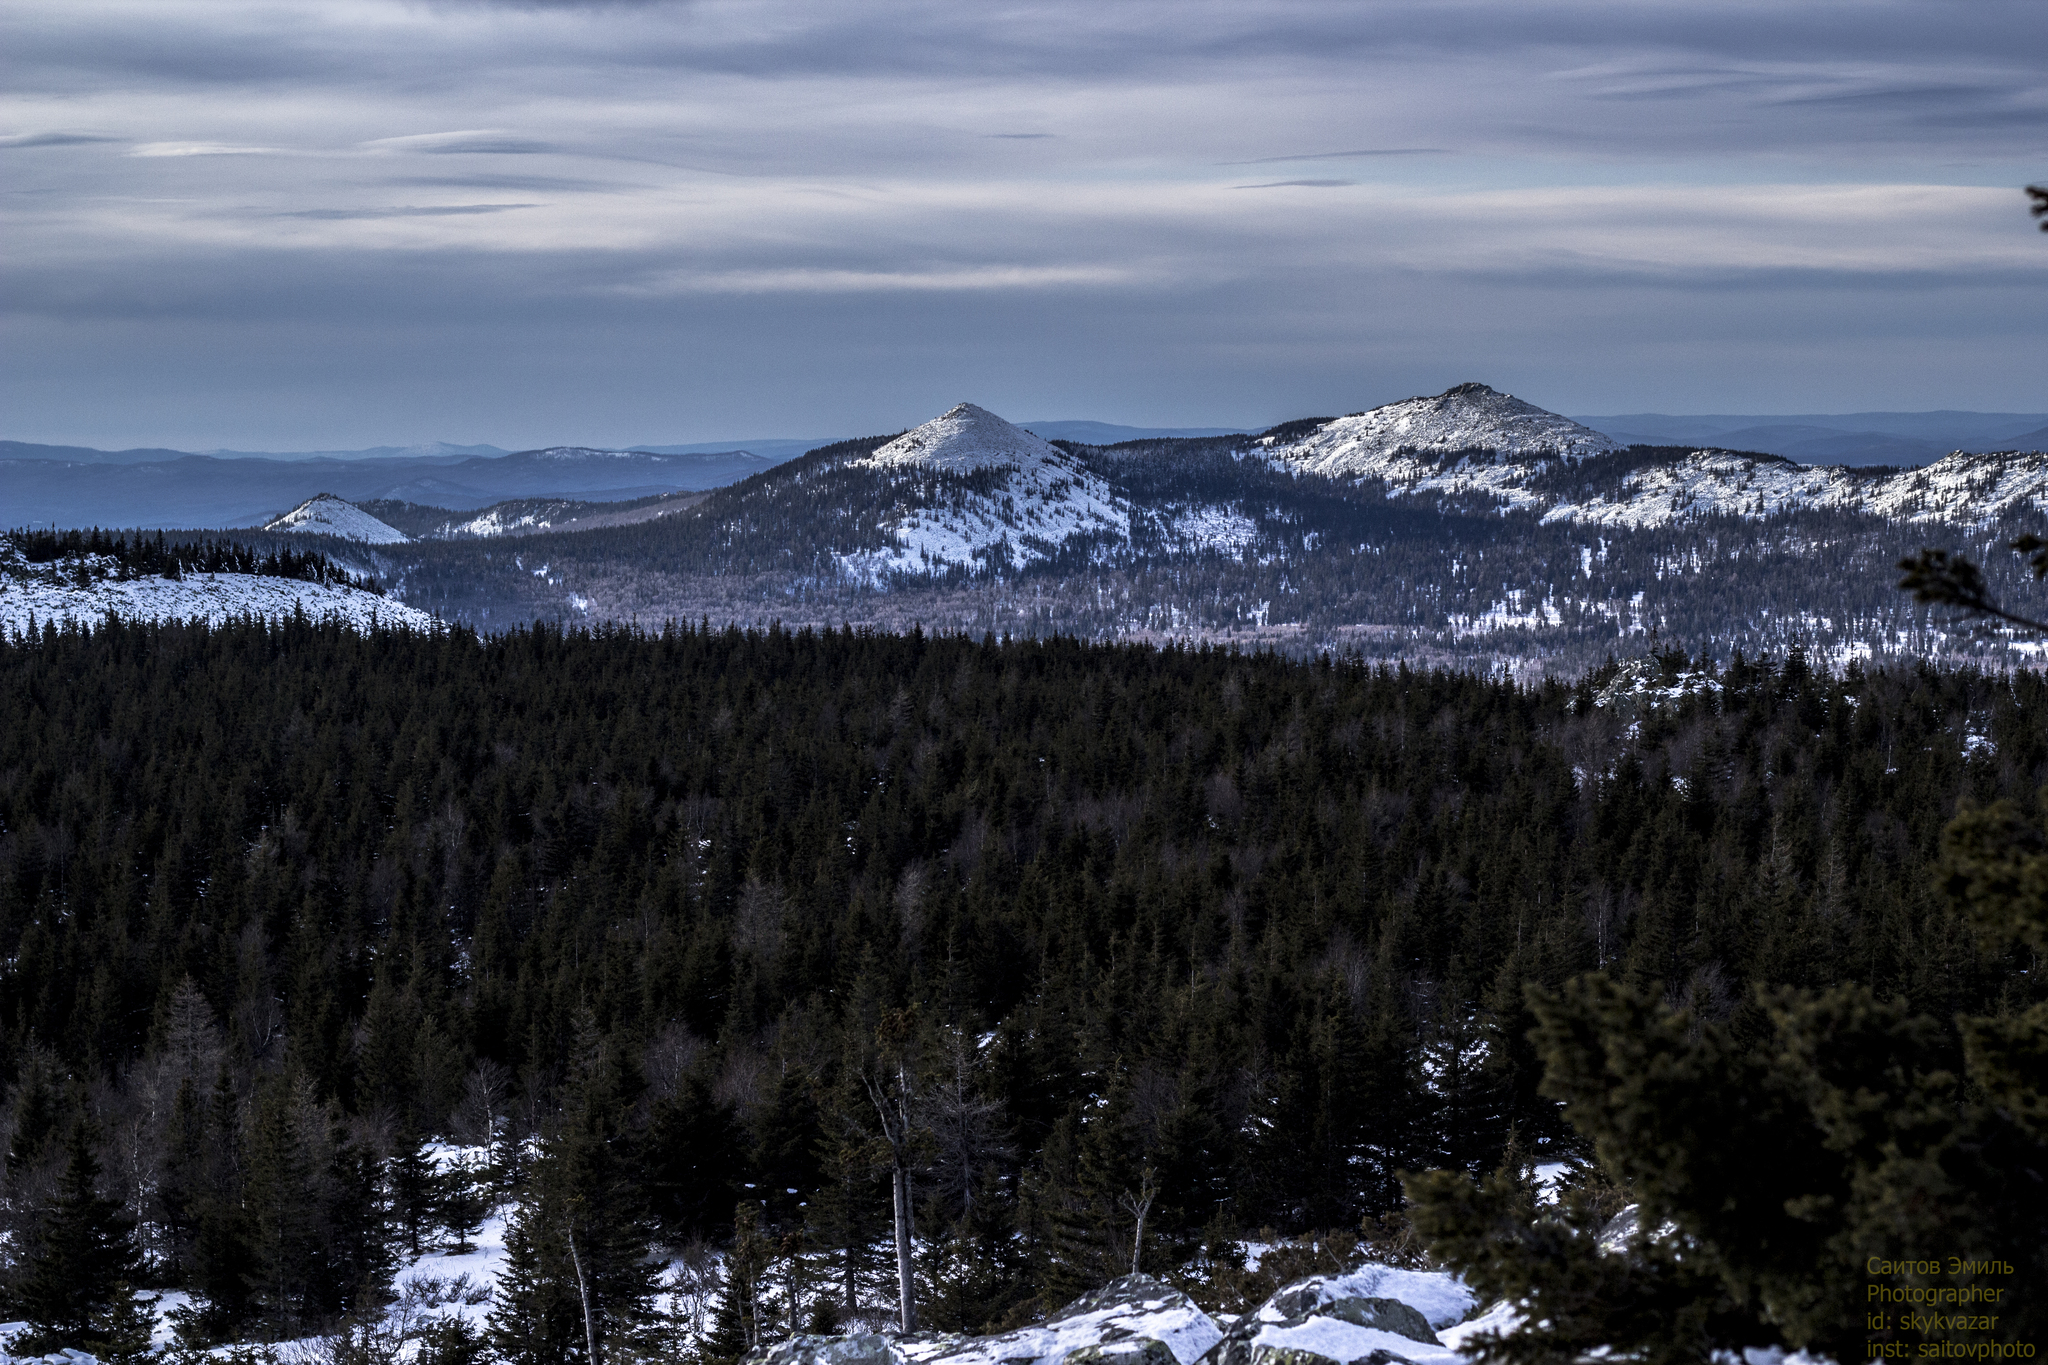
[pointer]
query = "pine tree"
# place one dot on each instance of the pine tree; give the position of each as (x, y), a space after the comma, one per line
(412, 1186)
(85, 1255)
(578, 1269)
(120, 1333)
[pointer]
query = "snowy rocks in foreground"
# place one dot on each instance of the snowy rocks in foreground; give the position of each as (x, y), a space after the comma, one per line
(1375, 1314)
(1136, 1320)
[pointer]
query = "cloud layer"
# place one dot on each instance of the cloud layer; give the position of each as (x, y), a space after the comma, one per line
(327, 223)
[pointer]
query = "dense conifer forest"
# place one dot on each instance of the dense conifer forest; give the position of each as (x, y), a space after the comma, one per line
(686, 923)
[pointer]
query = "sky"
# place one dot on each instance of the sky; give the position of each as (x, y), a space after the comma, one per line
(323, 224)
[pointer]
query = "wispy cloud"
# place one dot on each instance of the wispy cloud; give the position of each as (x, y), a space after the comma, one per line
(482, 141)
(1341, 156)
(790, 207)
(404, 211)
(51, 140)
(148, 149)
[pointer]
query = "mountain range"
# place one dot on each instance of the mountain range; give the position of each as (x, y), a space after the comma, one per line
(1855, 438)
(181, 490)
(1469, 525)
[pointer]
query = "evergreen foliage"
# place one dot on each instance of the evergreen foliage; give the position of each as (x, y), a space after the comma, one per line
(640, 903)
(1891, 1136)
(84, 1260)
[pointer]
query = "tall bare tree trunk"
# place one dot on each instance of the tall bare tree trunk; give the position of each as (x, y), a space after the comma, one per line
(583, 1292)
(906, 1289)
(1139, 1205)
(892, 1106)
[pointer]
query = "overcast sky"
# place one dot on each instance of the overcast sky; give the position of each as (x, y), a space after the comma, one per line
(303, 224)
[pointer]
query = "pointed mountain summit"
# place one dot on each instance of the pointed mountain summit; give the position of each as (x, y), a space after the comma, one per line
(1463, 418)
(323, 514)
(1033, 499)
(964, 438)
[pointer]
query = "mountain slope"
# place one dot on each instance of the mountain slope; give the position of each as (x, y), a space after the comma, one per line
(1471, 442)
(326, 515)
(83, 588)
(1400, 441)
(1004, 496)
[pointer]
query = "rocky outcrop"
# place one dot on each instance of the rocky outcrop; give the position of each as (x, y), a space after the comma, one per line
(1136, 1320)
(1320, 1321)
(1374, 1316)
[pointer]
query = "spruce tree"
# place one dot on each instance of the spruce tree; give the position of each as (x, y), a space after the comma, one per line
(412, 1187)
(121, 1332)
(84, 1259)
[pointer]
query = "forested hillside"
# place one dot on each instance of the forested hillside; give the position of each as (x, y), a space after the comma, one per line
(277, 904)
(1223, 547)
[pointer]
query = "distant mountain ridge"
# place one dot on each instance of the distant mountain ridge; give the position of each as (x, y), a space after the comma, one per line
(190, 491)
(1856, 438)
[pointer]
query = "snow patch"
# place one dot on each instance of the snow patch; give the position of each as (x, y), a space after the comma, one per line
(214, 598)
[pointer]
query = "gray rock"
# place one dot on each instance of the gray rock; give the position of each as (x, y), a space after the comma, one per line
(1388, 1315)
(1132, 1291)
(1130, 1351)
(860, 1348)
(1303, 1303)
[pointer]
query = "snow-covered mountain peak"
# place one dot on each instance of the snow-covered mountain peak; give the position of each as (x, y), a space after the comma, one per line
(964, 438)
(1396, 441)
(326, 515)
(1034, 499)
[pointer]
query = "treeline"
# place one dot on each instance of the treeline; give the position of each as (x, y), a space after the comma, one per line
(92, 555)
(703, 918)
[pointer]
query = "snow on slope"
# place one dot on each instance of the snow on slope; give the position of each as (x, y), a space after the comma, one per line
(1711, 482)
(1407, 443)
(326, 515)
(41, 598)
(1960, 488)
(1041, 498)
(1963, 487)
(1427, 445)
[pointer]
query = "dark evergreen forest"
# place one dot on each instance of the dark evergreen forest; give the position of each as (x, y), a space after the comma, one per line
(673, 922)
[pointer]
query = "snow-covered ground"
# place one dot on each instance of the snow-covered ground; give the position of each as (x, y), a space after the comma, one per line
(213, 598)
(1045, 498)
(1466, 417)
(1425, 445)
(327, 515)
(1156, 1312)
(1210, 527)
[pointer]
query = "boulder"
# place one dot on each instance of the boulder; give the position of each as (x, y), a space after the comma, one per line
(1320, 1321)
(1136, 1320)
(855, 1348)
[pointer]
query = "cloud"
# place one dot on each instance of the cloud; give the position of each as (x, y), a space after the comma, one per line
(407, 211)
(152, 149)
(1341, 156)
(785, 206)
(51, 140)
(510, 181)
(486, 141)
(961, 279)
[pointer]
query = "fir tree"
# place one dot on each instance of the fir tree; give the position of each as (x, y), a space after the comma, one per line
(121, 1332)
(412, 1187)
(85, 1255)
